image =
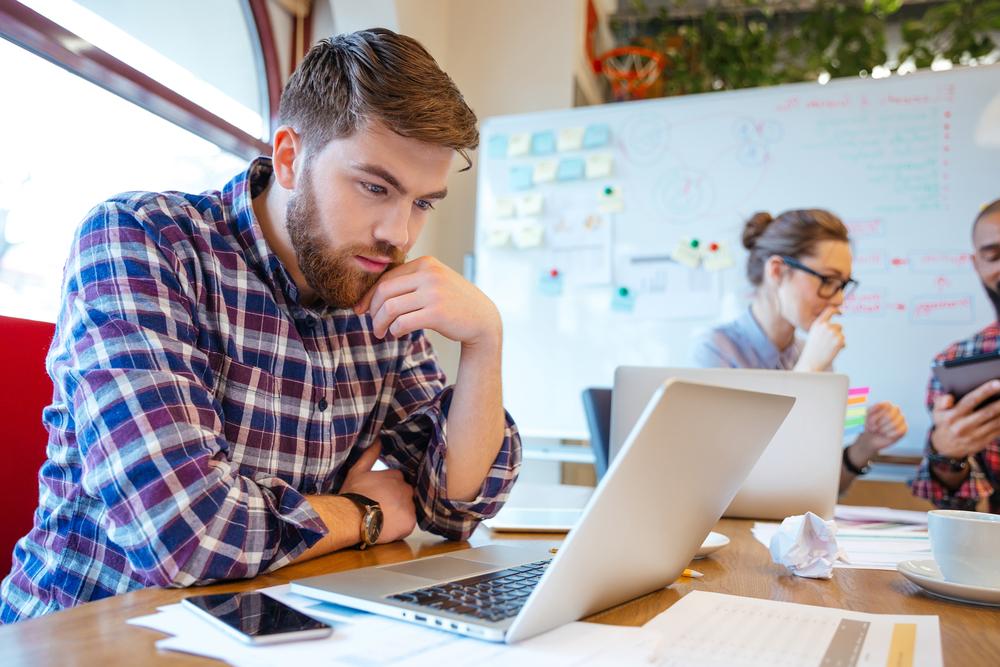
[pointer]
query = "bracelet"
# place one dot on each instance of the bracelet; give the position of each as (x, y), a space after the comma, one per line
(853, 468)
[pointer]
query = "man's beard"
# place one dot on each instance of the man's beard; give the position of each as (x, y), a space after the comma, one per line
(994, 294)
(333, 273)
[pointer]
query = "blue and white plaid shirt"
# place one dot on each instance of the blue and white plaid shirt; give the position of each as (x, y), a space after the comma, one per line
(196, 402)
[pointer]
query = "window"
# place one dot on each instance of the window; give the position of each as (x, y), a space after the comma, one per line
(69, 145)
(205, 51)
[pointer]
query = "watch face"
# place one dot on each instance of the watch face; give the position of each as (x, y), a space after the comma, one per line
(372, 524)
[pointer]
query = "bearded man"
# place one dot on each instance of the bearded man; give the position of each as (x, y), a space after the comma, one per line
(961, 466)
(229, 366)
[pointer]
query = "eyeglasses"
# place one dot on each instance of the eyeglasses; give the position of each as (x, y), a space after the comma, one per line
(828, 285)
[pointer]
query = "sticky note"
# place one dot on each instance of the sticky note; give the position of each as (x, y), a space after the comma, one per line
(596, 136)
(687, 252)
(497, 237)
(503, 207)
(545, 171)
(496, 145)
(528, 235)
(609, 199)
(570, 169)
(623, 299)
(518, 144)
(569, 139)
(551, 283)
(543, 143)
(529, 205)
(521, 177)
(716, 256)
(598, 165)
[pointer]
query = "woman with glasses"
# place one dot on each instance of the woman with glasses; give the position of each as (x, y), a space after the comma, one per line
(800, 267)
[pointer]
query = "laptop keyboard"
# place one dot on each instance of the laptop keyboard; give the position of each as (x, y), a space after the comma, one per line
(490, 597)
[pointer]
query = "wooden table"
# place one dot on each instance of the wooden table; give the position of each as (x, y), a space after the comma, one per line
(96, 633)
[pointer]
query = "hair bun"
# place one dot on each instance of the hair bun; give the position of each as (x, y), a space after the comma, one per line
(755, 226)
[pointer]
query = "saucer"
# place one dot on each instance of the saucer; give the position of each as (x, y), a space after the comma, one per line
(712, 543)
(925, 573)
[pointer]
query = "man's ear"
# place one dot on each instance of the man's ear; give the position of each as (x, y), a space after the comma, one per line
(287, 156)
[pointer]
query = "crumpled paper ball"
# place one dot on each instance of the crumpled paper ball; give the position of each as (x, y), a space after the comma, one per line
(807, 546)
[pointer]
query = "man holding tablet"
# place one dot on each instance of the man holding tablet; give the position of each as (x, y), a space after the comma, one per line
(962, 464)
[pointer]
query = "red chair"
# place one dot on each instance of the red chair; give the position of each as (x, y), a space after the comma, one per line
(24, 392)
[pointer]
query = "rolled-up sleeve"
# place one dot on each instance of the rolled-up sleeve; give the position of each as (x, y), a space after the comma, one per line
(149, 430)
(414, 439)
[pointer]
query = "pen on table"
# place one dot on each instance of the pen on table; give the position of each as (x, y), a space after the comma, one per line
(688, 572)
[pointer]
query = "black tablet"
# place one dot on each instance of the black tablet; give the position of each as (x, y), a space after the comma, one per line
(960, 376)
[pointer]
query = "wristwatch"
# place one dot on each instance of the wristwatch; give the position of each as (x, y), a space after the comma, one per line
(371, 518)
(863, 470)
(952, 464)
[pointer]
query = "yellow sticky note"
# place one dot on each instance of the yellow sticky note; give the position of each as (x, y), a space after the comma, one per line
(529, 205)
(528, 235)
(519, 144)
(504, 207)
(598, 165)
(687, 252)
(717, 257)
(497, 237)
(545, 171)
(609, 199)
(569, 139)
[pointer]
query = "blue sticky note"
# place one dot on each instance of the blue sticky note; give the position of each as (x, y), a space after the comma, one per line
(623, 300)
(521, 177)
(551, 285)
(570, 169)
(596, 136)
(497, 146)
(543, 143)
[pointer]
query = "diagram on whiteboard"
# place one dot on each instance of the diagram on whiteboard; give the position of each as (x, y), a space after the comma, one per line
(612, 234)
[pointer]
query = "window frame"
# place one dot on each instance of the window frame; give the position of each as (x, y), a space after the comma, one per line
(27, 28)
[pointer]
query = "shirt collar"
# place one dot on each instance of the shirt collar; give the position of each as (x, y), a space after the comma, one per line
(238, 195)
(765, 350)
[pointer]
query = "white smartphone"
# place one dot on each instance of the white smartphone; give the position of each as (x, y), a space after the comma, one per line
(255, 618)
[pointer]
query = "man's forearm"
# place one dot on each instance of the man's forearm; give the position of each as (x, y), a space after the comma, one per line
(475, 420)
(343, 521)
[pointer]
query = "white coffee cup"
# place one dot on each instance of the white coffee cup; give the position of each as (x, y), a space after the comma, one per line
(965, 546)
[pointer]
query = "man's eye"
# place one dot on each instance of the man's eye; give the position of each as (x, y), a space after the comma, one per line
(374, 189)
(424, 205)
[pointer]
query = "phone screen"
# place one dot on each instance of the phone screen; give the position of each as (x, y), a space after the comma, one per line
(254, 614)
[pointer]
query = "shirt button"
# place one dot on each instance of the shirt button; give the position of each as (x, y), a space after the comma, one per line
(322, 404)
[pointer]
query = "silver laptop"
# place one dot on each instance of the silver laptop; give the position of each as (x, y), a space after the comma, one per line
(799, 471)
(639, 530)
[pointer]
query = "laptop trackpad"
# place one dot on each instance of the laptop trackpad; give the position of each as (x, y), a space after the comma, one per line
(442, 567)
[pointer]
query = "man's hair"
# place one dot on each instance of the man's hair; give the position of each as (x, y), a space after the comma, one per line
(349, 81)
(989, 209)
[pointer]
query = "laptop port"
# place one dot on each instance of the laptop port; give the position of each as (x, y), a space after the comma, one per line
(454, 626)
(419, 617)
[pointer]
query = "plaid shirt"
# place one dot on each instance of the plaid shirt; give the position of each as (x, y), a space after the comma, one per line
(196, 401)
(985, 475)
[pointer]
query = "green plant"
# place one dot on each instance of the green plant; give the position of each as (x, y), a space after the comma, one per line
(957, 30)
(740, 45)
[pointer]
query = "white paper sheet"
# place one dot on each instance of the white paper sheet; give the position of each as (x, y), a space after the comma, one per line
(879, 514)
(374, 641)
(712, 629)
(875, 547)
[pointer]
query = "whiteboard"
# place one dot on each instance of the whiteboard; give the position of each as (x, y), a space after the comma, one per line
(585, 221)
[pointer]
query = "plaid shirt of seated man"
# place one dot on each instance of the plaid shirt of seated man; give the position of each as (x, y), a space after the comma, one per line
(962, 466)
(226, 363)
